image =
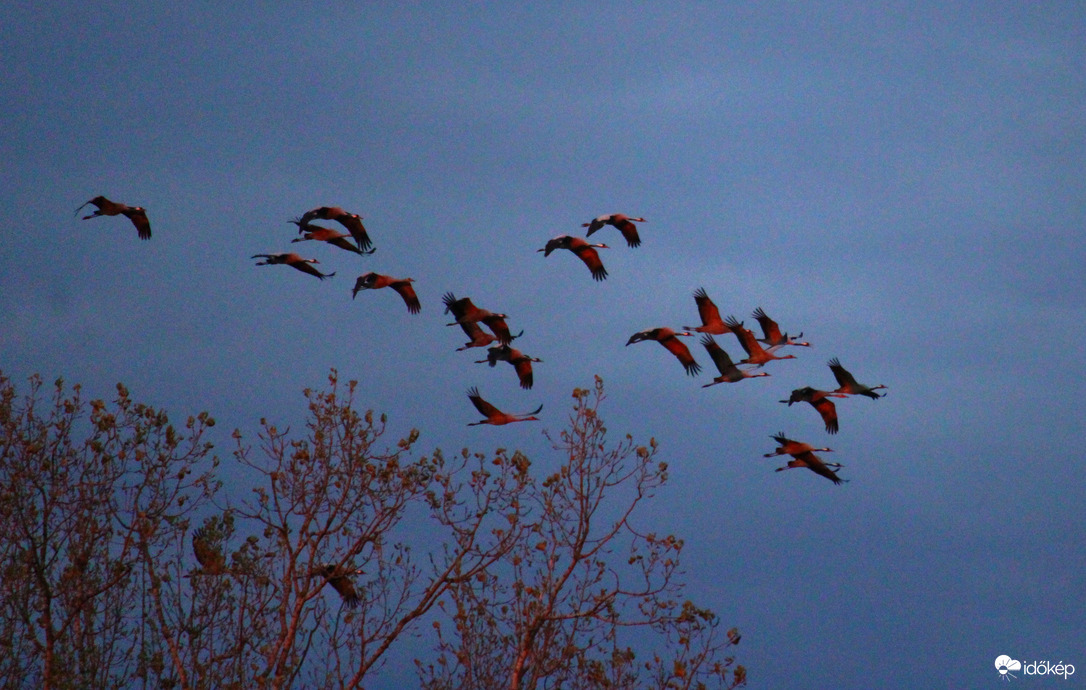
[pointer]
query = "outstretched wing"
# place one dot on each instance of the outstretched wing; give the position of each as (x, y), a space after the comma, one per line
(485, 408)
(408, 293)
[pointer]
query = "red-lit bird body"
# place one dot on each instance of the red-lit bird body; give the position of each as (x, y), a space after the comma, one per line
(328, 236)
(493, 415)
(351, 221)
(585, 252)
(710, 316)
(376, 281)
(729, 373)
(521, 362)
(772, 331)
(756, 354)
(136, 214)
(618, 220)
(294, 261)
(668, 338)
(848, 384)
(820, 400)
(465, 312)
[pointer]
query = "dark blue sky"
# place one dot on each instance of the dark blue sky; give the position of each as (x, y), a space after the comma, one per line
(902, 183)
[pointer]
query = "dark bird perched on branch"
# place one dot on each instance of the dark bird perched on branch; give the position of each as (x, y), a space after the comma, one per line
(208, 554)
(340, 579)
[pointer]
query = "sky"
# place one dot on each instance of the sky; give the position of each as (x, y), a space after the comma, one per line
(901, 182)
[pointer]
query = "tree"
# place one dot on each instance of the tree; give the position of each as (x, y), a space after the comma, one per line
(558, 610)
(90, 497)
(123, 563)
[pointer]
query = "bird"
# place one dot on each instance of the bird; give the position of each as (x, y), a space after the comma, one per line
(464, 312)
(332, 237)
(710, 315)
(667, 338)
(136, 214)
(814, 464)
(787, 446)
(479, 337)
(340, 579)
(848, 384)
(619, 220)
(495, 416)
(209, 556)
(521, 362)
(820, 400)
(772, 331)
(756, 354)
(376, 281)
(585, 252)
(351, 221)
(293, 260)
(729, 373)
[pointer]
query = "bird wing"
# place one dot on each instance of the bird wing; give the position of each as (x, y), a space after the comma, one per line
(472, 330)
(710, 315)
(595, 225)
(629, 231)
(310, 215)
(353, 223)
(523, 367)
(781, 439)
(720, 358)
(485, 408)
(844, 378)
(138, 216)
(366, 281)
(591, 258)
(815, 464)
(306, 267)
(499, 327)
(679, 349)
(746, 338)
(828, 411)
(408, 293)
(343, 585)
(769, 327)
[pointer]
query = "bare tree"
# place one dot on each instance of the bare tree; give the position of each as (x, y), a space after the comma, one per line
(89, 495)
(332, 579)
(121, 565)
(581, 582)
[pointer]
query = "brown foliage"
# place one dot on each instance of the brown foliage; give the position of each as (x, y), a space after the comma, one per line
(341, 547)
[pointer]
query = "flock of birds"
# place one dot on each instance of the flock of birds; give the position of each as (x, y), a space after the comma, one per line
(498, 341)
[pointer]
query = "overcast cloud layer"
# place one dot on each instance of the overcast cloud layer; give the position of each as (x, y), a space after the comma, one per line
(902, 183)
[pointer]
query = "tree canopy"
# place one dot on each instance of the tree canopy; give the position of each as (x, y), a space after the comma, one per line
(125, 562)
